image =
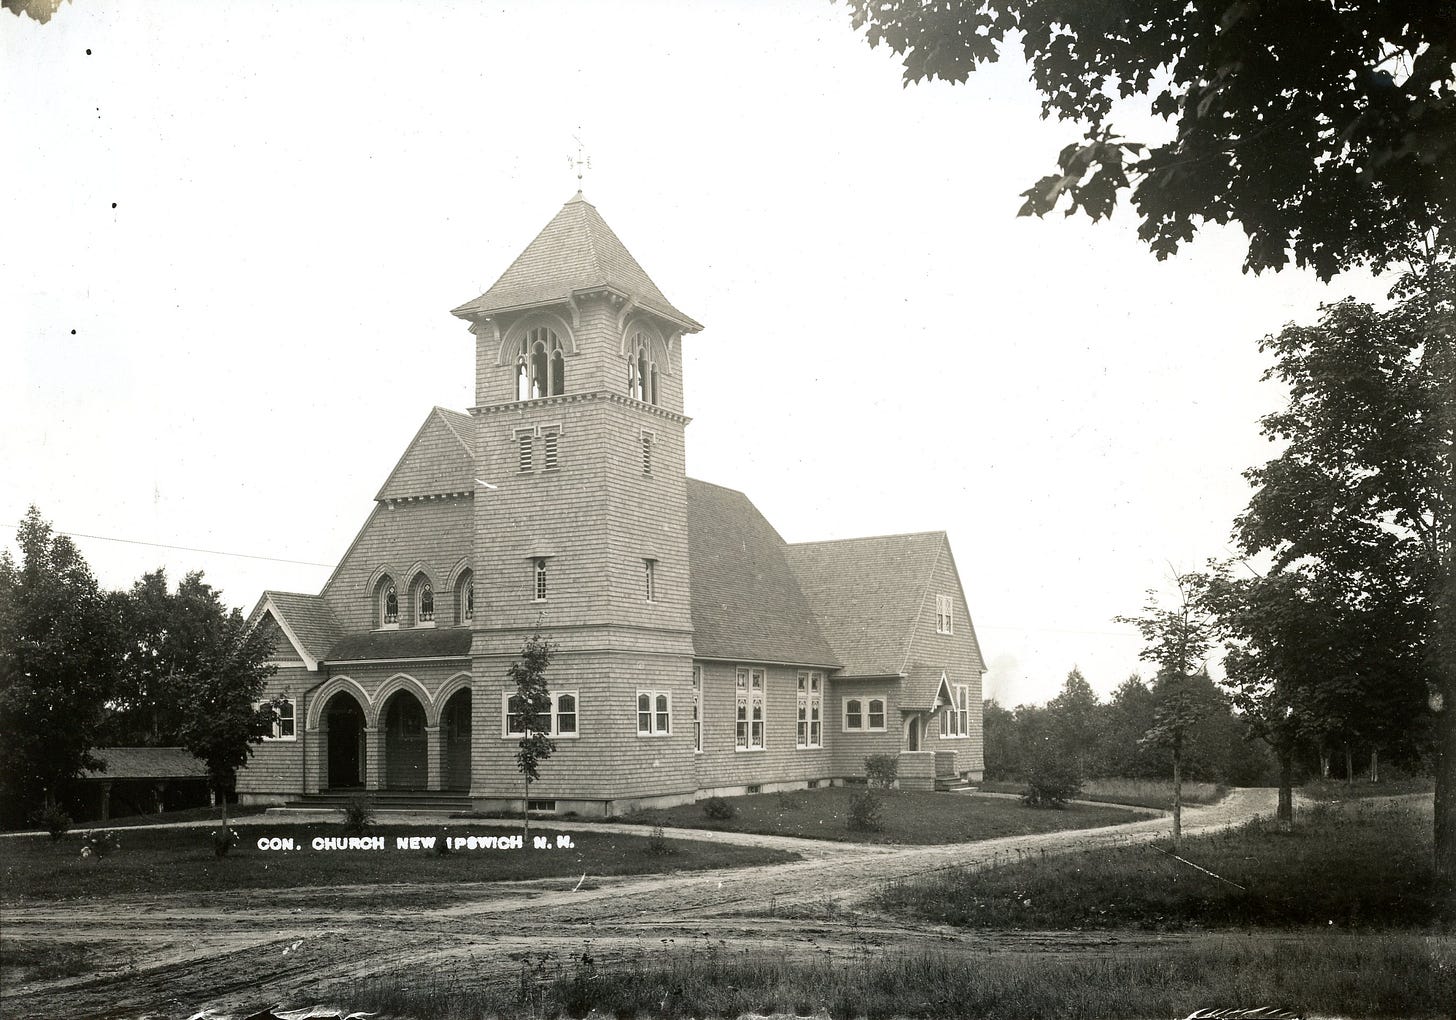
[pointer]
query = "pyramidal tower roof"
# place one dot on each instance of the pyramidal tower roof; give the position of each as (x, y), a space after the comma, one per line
(575, 253)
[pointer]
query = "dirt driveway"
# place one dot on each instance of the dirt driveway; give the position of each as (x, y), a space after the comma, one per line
(172, 956)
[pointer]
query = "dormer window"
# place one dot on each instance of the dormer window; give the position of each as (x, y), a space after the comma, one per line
(388, 603)
(540, 365)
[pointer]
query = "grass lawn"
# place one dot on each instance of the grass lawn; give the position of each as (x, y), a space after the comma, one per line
(199, 814)
(1337, 789)
(1361, 866)
(1147, 793)
(181, 860)
(906, 817)
(1329, 974)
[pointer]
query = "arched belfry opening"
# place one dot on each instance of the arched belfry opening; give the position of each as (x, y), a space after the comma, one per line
(540, 365)
(344, 740)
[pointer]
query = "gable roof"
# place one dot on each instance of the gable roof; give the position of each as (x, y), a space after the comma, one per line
(867, 594)
(575, 252)
(439, 459)
(146, 763)
(306, 620)
(746, 601)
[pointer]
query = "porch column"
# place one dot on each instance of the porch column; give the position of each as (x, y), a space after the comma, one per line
(161, 797)
(315, 743)
(105, 799)
(434, 758)
(373, 758)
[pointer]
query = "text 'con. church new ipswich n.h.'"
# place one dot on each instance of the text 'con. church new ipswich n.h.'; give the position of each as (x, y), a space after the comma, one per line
(696, 652)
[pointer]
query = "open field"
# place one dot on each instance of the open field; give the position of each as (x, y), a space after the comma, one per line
(1146, 793)
(906, 817)
(1350, 866)
(181, 860)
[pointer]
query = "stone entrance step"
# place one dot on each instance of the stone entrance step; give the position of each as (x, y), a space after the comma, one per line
(423, 801)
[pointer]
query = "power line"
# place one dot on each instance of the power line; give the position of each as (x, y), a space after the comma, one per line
(189, 548)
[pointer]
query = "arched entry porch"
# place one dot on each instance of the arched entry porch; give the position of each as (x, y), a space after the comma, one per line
(404, 742)
(455, 733)
(345, 747)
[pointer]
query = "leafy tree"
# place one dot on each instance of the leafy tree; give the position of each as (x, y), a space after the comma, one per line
(197, 665)
(1128, 716)
(998, 729)
(1364, 491)
(1178, 640)
(1325, 130)
(58, 657)
(532, 701)
(1075, 717)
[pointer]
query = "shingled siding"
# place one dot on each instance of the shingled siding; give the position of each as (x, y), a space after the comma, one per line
(437, 461)
(436, 532)
(958, 655)
(849, 748)
(275, 771)
(721, 766)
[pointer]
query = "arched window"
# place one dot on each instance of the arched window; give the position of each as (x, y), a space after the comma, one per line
(388, 603)
(641, 371)
(425, 604)
(465, 598)
(540, 365)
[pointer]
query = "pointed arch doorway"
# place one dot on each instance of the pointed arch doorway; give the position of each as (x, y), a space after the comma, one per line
(344, 739)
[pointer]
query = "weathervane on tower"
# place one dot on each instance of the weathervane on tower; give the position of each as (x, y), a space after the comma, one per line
(581, 162)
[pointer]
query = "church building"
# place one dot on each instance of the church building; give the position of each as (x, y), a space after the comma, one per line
(696, 652)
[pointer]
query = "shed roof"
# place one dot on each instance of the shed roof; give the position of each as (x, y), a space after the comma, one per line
(407, 643)
(576, 252)
(147, 763)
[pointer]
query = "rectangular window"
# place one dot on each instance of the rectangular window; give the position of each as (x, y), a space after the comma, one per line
(540, 579)
(551, 447)
(853, 714)
(750, 716)
(563, 719)
(697, 709)
(654, 713)
(876, 715)
(649, 574)
(284, 725)
(955, 720)
(809, 732)
(864, 716)
(944, 620)
(526, 442)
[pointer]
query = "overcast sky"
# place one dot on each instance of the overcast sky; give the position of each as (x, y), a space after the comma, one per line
(231, 234)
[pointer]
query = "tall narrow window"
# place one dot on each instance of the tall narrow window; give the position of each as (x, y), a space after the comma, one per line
(515, 717)
(425, 604)
(697, 709)
(877, 714)
(853, 714)
(749, 707)
(551, 457)
(809, 732)
(649, 573)
(541, 580)
(389, 600)
(642, 371)
(465, 597)
(648, 439)
(540, 365)
(565, 714)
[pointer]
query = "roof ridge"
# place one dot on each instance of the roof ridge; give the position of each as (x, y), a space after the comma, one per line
(868, 538)
(444, 413)
(591, 241)
(300, 594)
(920, 606)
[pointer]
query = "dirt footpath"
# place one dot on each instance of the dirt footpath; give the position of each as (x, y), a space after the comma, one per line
(171, 956)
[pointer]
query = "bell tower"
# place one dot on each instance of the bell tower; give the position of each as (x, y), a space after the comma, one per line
(580, 520)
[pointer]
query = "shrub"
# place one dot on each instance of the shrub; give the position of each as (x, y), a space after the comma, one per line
(881, 770)
(787, 802)
(358, 815)
(54, 820)
(224, 840)
(864, 811)
(1051, 781)
(719, 809)
(99, 844)
(442, 844)
(657, 844)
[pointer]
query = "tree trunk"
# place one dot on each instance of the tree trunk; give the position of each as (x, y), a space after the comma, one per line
(526, 813)
(1446, 799)
(1375, 764)
(1324, 763)
(222, 796)
(1177, 798)
(1285, 814)
(1349, 765)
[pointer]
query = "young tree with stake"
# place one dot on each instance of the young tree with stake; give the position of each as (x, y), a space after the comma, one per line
(532, 705)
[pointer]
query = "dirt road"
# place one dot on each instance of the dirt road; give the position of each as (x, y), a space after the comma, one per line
(171, 956)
